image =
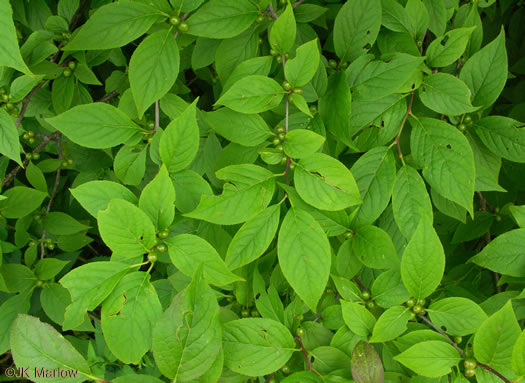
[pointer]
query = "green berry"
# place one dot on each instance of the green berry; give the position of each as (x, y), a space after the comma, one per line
(32, 243)
(298, 90)
(51, 246)
(470, 364)
(5, 98)
(300, 332)
(284, 160)
(276, 141)
(421, 302)
(419, 43)
(313, 109)
(467, 120)
(255, 313)
(65, 164)
(285, 369)
(31, 141)
(282, 136)
(417, 309)
(366, 295)
(498, 218)
(174, 20)
(272, 380)
(329, 291)
(412, 316)
(245, 313)
(279, 148)
(348, 234)
(279, 59)
(49, 240)
(292, 166)
(273, 52)
(25, 136)
(39, 283)
(370, 305)
(332, 63)
(462, 127)
(31, 133)
(152, 258)
(280, 129)
(9, 106)
(411, 302)
(72, 65)
(259, 19)
(470, 373)
(36, 156)
(164, 234)
(150, 125)
(66, 72)
(161, 248)
(29, 156)
(183, 27)
(458, 340)
(286, 85)
(2, 90)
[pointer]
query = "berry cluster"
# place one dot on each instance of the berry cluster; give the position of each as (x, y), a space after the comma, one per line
(7, 105)
(417, 306)
(465, 123)
(176, 21)
(158, 247)
(71, 66)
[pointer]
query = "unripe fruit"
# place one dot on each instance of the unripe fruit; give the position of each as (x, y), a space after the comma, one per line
(458, 340)
(245, 313)
(31, 133)
(150, 125)
(9, 106)
(412, 316)
(39, 283)
(462, 127)
(25, 136)
(366, 295)
(72, 65)
(284, 160)
(36, 156)
(255, 313)
(470, 364)
(421, 302)
(279, 148)
(299, 332)
(51, 246)
(152, 258)
(272, 380)
(49, 240)
(149, 140)
(161, 248)
(31, 243)
(174, 20)
(313, 109)
(276, 141)
(411, 302)
(285, 369)
(66, 73)
(332, 63)
(65, 164)
(29, 156)
(292, 166)
(287, 85)
(282, 136)
(259, 19)
(419, 43)
(467, 120)
(279, 129)
(298, 90)
(31, 140)
(273, 52)
(348, 234)
(279, 59)
(470, 373)
(370, 305)
(70, 161)
(5, 98)
(183, 27)
(417, 309)
(164, 234)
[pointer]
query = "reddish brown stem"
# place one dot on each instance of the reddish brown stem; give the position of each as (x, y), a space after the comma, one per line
(305, 354)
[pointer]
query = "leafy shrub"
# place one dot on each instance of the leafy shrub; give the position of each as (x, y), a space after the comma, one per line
(247, 190)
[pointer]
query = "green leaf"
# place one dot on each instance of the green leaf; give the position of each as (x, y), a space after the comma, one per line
(187, 337)
(114, 25)
(9, 51)
(388, 289)
(60, 223)
(20, 201)
(9, 311)
(302, 377)
(432, 358)
(446, 94)
(21, 86)
(379, 79)
(89, 285)
(189, 187)
(460, 316)
(375, 173)
(130, 164)
(518, 356)
(391, 324)
(282, 34)
(62, 93)
(495, 338)
(446, 158)
(38, 347)
(374, 248)
(257, 65)
(358, 318)
(36, 177)
(157, 200)
(504, 254)
(304, 255)
(438, 16)
(253, 238)
(324, 182)
(256, 346)
(366, 364)
(9, 144)
(54, 299)
(335, 107)
(518, 213)
(126, 229)
(446, 49)
(247, 129)
(300, 103)
(485, 72)
(503, 136)
(153, 68)
(249, 191)
(423, 261)
(180, 141)
(222, 19)
(410, 200)
(103, 126)
(128, 316)
(252, 94)
(356, 28)
(188, 252)
(301, 69)
(96, 195)
(304, 13)
(300, 143)
(417, 18)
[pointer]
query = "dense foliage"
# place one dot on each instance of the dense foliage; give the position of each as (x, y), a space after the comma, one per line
(260, 190)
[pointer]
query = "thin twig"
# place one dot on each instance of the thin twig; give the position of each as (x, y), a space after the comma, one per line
(297, 3)
(182, 19)
(269, 377)
(108, 97)
(403, 122)
(305, 354)
(157, 116)
(78, 14)
(490, 369)
(429, 322)
(26, 100)
(272, 11)
(360, 283)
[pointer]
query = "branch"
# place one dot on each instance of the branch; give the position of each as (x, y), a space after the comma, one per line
(272, 11)
(305, 354)
(269, 377)
(78, 14)
(490, 369)
(297, 3)
(108, 97)
(157, 116)
(26, 100)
